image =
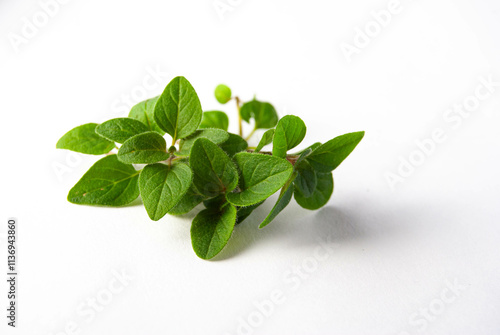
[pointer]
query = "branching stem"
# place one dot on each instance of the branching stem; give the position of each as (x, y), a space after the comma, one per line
(240, 122)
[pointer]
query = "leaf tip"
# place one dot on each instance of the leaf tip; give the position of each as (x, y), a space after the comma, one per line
(263, 224)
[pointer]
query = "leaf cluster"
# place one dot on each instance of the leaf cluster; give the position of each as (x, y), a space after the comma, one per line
(204, 164)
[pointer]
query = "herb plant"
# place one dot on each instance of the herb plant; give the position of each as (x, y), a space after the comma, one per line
(204, 163)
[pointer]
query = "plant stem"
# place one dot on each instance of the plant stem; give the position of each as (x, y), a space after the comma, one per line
(250, 135)
(240, 123)
(171, 159)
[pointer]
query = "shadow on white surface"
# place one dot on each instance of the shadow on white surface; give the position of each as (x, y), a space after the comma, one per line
(302, 229)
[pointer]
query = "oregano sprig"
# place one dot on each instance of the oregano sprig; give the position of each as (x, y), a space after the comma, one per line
(205, 164)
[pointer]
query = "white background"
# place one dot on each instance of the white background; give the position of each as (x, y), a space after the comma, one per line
(393, 251)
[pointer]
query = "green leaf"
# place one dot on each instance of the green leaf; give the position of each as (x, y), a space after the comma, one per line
(178, 110)
(215, 119)
(302, 157)
(145, 112)
(263, 112)
(163, 186)
(306, 180)
(222, 93)
(84, 139)
(328, 156)
(244, 212)
(121, 129)
(290, 132)
(211, 230)
(266, 139)
(261, 176)
(283, 201)
(213, 170)
(216, 136)
(234, 144)
(216, 202)
(144, 148)
(189, 201)
(312, 147)
(108, 182)
(321, 194)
